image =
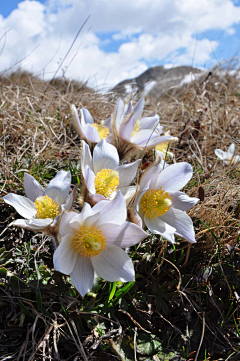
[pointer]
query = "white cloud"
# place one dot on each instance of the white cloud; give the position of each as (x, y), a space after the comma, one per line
(151, 30)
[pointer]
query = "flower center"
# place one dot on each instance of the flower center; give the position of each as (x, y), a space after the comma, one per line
(155, 203)
(136, 128)
(106, 181)
(46, 207)
(102, 130)
(89, 242)
(162, 147)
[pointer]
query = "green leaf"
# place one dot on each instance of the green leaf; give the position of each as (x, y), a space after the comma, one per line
(122, 291)
(3, 272)
(112, 288)
(24, 308)
(148, 344)
(16, 284)
(161, 305)
(3, 249)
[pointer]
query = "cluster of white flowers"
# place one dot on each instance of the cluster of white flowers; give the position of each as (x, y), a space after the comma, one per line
(114, 212)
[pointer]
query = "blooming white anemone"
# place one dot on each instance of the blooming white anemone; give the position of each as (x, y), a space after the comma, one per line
(90, 131)
(103, 174)
(131, 130)
(42, 207)
(92, 241)
(228, 157)
(162, 206)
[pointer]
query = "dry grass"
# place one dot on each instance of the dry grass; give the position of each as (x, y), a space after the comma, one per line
(36, 135)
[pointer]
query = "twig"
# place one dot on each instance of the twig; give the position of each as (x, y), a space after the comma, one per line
(134, 321)
(175, 328)
(203, 331)
(187, 255)
(135, 344)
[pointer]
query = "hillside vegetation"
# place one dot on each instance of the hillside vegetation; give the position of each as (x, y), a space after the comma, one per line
(184, 304)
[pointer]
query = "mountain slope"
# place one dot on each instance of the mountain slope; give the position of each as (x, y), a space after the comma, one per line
(157, 80)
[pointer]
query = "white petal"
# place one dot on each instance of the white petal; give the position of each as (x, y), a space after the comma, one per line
(95, 198)
(127, 173)
(71, 221)
(40, 226)
(59, 187)
(87, 216)
(125, 235)
(112, 213)
(128, 193)
(70, 199)
(113, 264)
(221, 154)
(156, 139)
(159, 129)
(158, 226)
(91, 133)
(83, 275)
(86, 117)
(24, 206)
(174, 177)
(182, 222)
(105, 155)
(128, 109)
(76, 122)
(40, 222)
(89, 179)
(236, 159)
(139, 196)
(86, 158)
(231, 150)
(107, 123)
(182, 201)
(118, 116)
(141, 215)
(32, 188)
(142, 137)
(126, 128)
(138, 109)
(65, 226)
(65, 256)
(151, 175)
(149, 122)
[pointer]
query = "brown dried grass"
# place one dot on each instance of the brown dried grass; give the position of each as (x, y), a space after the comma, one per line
(36, 124)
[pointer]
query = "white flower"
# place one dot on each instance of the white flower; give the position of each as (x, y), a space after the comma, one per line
(128, 125)
(103, 174)
(162, 206)
(228, 157)
(41, 208)
(92, 241)
(90, 131)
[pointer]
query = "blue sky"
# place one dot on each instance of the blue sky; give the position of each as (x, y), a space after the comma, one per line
(120, 40)
(7, 6)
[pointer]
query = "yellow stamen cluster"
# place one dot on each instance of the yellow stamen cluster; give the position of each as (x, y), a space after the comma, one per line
(155, 203)
(89, 242)
(102, 130)
(46, 207)
(136, 128)
(162, 147)
(106, 181)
